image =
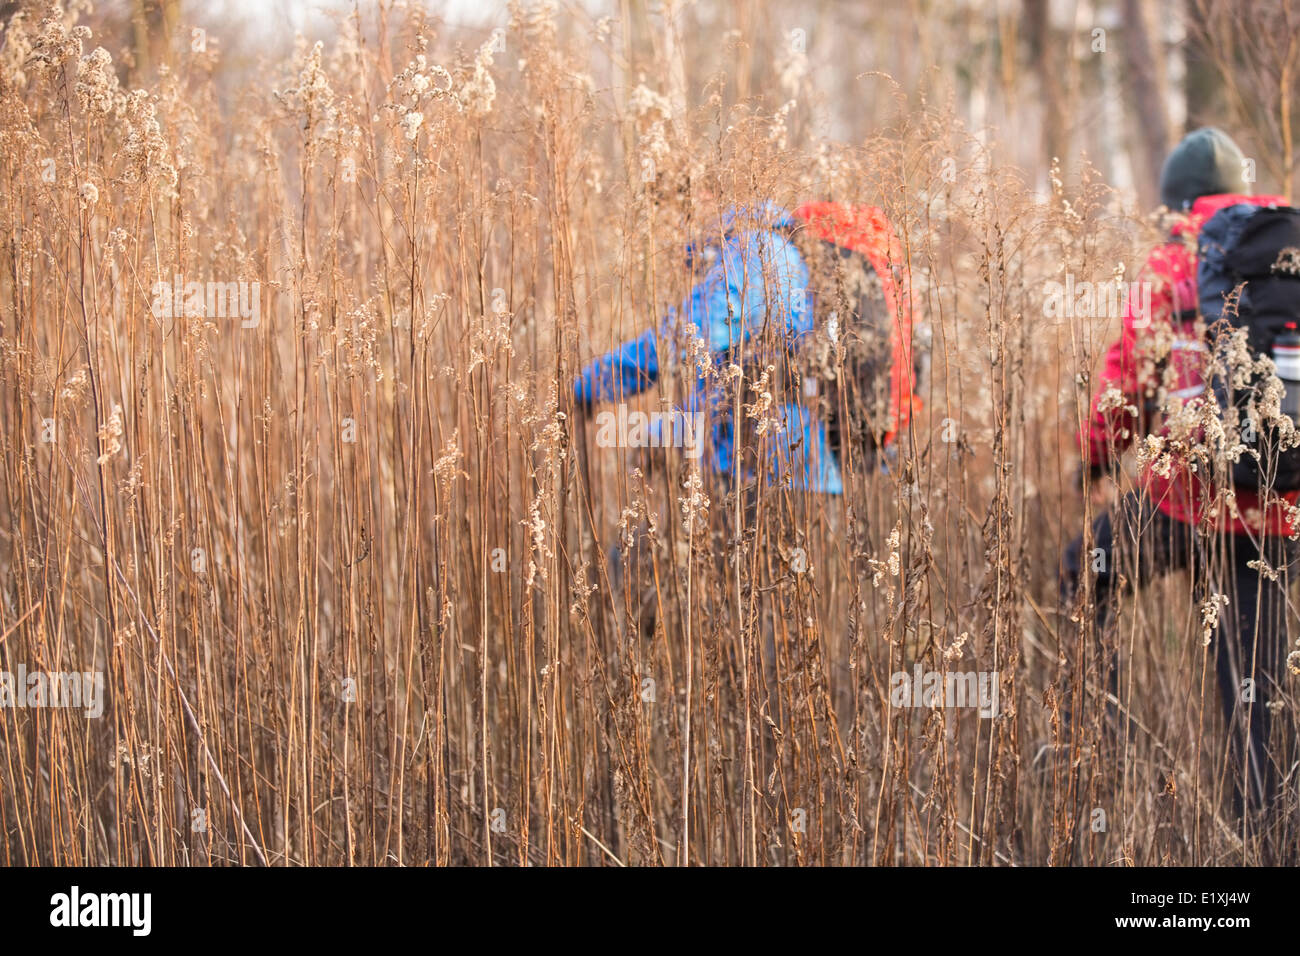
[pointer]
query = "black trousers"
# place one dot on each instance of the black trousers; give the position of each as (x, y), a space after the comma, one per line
(1141, 542)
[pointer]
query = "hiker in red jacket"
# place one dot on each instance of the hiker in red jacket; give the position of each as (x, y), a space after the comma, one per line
(1175, 520)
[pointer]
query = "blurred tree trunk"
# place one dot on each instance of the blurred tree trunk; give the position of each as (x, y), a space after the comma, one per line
(744, 50)
(1147, 89)
(140, 26)
(153, 25)
(674, 59)
(1048, 62)
(977, 90)
(1199, 83)
(1115, 155)
(171, 21)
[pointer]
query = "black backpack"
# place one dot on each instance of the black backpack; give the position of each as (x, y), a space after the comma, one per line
(1255, 249)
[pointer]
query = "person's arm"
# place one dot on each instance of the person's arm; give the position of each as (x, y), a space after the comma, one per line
(628, 369)
(724, 307)
(1112, 425)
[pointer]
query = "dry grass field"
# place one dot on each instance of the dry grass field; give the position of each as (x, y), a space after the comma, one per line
(362, 585)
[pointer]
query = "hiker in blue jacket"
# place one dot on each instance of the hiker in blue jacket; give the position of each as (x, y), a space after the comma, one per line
(751, 304)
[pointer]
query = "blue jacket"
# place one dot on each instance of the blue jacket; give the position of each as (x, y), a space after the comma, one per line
(754, 273)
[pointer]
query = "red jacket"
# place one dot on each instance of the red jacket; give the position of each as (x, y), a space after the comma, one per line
(1182, 494)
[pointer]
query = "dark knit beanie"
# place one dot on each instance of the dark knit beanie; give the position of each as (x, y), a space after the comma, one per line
(1207, 162)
